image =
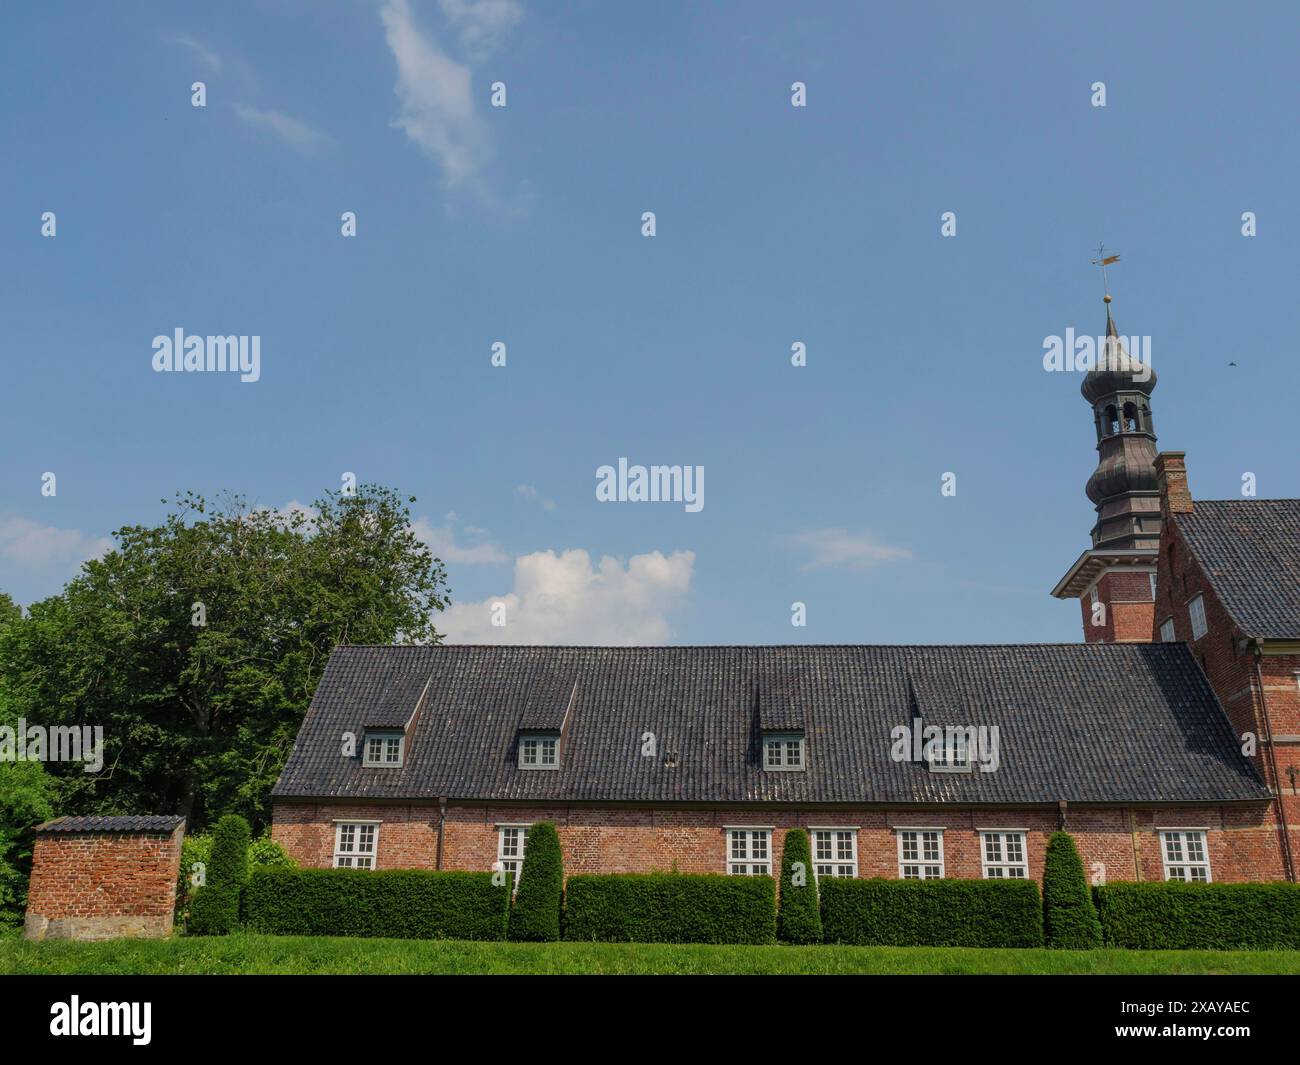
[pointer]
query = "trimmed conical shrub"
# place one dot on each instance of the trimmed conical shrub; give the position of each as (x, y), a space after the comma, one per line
(535, 915)
(799, 919)
(1069, 916)
(215, 908)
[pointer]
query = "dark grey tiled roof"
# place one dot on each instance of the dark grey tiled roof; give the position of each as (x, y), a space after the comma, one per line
(1085, 723)
(150, 823)
(1250, 549)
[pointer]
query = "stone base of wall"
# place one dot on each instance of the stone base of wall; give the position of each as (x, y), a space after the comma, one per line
(94, 928)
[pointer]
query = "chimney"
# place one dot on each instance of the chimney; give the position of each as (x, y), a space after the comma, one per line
(1171, 474)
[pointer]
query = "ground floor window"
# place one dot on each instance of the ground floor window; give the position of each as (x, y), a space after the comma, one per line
(1003, 856)
(355, 844)
(512, 842)
(1185, 855)
(835, 852)
(920, 853)
(749, 851)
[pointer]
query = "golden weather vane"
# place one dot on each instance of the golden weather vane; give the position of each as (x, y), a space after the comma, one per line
(1103, 260)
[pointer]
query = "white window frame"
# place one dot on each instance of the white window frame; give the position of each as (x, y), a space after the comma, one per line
(1196, 614)
(1184, 852)
(356, 851)
(916, 839)
(749, 850)
(510, 859)
(834, 865)
(1167, 633)
(787, 760)
(385, 740)
(937, 756)
(1092, 595)
(541, 744)
(997, 846)
(1151, 574)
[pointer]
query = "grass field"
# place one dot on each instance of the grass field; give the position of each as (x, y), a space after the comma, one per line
(294, 954)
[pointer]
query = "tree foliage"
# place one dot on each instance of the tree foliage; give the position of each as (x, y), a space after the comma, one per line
(197, 644)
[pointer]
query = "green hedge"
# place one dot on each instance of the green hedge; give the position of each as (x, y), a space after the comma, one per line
(799, 918)
(932, 913)
(535, 916)
(399, 903)
(670, 908)
(1069, 916)
(214, 910)
(1180, 916)
(228, 865)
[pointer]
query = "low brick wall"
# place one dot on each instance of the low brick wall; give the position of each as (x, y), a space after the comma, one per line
(104, 877)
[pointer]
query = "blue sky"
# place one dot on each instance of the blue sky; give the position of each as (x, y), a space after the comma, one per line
(522, 224)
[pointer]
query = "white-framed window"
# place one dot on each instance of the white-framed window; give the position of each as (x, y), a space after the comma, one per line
(1185, 855)
(1297, 678)
(749, 851)
(384, 749)
(950, 753)
(539, 752)
(784, 752)
(512, 845)
(356, 844)
(1092, 595)
(835, 852)
(1167, 631)
(1003, 855)
(1196, 611)
(1152, 578)
(920, 853)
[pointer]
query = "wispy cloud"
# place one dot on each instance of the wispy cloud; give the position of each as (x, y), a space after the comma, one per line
(441, 540)
(436, 104)
(840, 548)
(29, 543)
(297, 134)
(204, 54)
(530, 493)
(482, 24)
(567, 599)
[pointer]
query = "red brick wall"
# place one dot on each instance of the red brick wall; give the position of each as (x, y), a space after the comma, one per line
(1242, 843)
(1129, 608)
(1230, 668)
(97, 885)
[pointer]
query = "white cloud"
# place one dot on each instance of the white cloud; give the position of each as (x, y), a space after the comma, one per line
(839, 547)
(293, 132)
(481, 23)
(205, 55)
(38, 546)
(530, 493)
(441, 540)
(565, 599)
(436, 106)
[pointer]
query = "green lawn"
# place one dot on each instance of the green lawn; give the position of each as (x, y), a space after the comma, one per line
(299, 954)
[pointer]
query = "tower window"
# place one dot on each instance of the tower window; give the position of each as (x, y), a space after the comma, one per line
(1112, 419)
(1130, 418)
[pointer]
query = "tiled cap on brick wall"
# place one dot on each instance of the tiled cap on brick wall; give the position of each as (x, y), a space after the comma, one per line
(148, 823)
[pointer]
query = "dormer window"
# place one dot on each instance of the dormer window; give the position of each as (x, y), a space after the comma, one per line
(951, 752)
(384, 750)
(539, 750)
(783, 752)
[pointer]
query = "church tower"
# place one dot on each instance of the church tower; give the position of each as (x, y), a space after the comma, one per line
(1115, 579)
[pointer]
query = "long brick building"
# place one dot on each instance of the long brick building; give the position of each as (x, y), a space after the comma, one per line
(1167, 743)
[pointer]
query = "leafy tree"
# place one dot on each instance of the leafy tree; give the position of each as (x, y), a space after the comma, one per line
(799, 920)
(1069, 916)
(197, 644)
(536, 912)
